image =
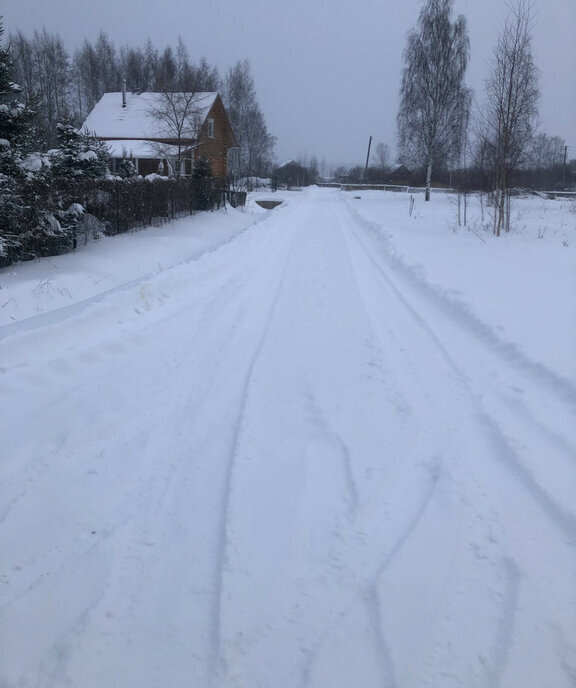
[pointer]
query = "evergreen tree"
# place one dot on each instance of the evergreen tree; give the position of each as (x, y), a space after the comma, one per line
(58, 190)
(202, 169)
(16, 134)
(127, 167)
(79, 154)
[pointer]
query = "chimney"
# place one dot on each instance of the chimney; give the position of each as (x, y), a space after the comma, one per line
(123, 93)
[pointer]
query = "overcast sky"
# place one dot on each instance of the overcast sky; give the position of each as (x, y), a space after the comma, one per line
(327, 72)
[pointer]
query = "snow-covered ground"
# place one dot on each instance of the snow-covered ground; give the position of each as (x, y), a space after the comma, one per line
(521, 285)
(329, 445)
(42, 286)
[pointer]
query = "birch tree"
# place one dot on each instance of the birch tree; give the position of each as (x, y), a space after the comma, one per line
(546, 151)
(42, 68)
(511, 106)
(254, 142)
(180, 117)
(206, 77)
(434, 102)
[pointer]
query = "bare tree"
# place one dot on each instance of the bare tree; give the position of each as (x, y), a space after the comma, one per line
(382, 156)
(435, 103)
(84, 71)
(183, 68)
(109, 72)
(151, 60)
(546, 151)
(42, 69)
(314, 169)
(255, 144)
(511, 106)
(180, 116)
(206, 77)
(167, 72)
(258, 144)
(23, 63)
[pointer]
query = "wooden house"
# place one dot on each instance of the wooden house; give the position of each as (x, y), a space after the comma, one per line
(399, 174)
(164, 133)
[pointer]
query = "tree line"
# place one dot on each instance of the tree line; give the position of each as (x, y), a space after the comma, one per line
(61, 86)
(497, 144)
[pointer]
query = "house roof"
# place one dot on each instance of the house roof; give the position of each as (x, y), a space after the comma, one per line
(141, 149)
(288, 162)
(109, 119)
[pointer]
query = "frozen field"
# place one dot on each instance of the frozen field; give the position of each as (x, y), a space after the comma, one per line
(329, 446)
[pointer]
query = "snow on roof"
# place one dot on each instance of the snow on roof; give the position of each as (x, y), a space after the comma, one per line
(109, 119)
(141, 149)
(288, 162)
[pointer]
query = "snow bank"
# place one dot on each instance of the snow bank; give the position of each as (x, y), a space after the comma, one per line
(30, 289)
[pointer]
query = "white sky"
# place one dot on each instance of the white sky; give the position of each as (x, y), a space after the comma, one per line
(327, 72)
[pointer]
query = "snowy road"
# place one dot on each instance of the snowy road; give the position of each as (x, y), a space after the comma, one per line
(287, 463)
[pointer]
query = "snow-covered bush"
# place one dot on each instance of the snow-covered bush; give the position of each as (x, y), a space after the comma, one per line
(79, 155)
(50, 238)
(127, 167)
(90, 228)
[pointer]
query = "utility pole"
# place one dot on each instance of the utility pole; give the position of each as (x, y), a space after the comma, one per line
(564, 167)
(367, 159)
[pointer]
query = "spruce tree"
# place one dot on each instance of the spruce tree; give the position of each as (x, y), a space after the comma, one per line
(15, 136)
(79, 154)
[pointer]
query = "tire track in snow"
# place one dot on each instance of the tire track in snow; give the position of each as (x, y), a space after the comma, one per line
(233, 318)
(374, 605)
(491, 669)
(305, 624)
(33, 474)
(528, 417)
(564, 520)
(223, 537)
(167, 285)
(490, 635)
(497, 663)
(204, 315)
(68, 324)
(562, 387)
(368, 592)
(331, 436)
(65, 565)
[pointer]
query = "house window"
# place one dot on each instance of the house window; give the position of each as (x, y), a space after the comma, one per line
(210, 126)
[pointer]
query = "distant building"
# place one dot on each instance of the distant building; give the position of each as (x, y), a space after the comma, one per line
(399, 174)
(164, 133)
(292, 173)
